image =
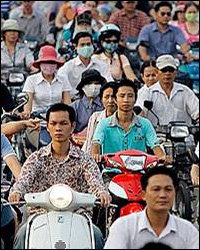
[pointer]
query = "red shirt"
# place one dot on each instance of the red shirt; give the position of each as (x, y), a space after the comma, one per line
(130, 27)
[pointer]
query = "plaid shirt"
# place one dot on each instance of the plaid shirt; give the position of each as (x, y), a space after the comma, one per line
(130, 27)
(42, 170)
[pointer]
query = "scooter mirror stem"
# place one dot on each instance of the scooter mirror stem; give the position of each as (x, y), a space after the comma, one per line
(149, 105)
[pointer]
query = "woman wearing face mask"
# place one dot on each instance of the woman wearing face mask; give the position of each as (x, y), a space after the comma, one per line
(191, 27)
(112, 54)
(89, 102)
(46, 87)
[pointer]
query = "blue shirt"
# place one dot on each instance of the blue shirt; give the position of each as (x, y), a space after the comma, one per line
(6, 150)
(113, 138)
(84, 110)
(161, 43)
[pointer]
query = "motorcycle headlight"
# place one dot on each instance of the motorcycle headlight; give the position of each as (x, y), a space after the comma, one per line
(60, 197)
(179, 132)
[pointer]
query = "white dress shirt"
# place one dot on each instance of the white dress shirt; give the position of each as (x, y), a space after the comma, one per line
(45, 94)
(182, 105)
(134, 232)
(73, 69)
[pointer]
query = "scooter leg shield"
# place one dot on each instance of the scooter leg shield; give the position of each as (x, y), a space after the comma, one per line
(58, 230)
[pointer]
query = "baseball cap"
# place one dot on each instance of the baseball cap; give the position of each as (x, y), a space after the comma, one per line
(166, 61)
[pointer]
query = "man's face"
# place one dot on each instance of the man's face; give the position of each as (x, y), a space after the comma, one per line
(163, 16)
(160, 193)
(59, 126)
(125, 99)
(108, 100)
(84, 41)
(27, 4)
(129, 5)
(167, 75)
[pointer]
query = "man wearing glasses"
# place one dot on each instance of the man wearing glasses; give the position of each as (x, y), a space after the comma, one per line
(171, 101)
(129, 20)
(160, 38)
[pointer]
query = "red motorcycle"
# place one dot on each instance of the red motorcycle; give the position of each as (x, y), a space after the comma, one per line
(124, 171)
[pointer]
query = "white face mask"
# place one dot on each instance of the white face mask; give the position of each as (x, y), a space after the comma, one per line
(48, 69)
(92, 90)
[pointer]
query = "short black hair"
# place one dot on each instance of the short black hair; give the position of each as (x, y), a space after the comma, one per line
(107, 85)
(163, 170)
(81, 35)
(126, 83)
(62, 107)
(147, 64)
(156, 246)
(163, 4)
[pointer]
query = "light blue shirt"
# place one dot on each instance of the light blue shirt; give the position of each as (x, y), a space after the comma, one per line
(113, 138)
(161, 43)
(6, 148)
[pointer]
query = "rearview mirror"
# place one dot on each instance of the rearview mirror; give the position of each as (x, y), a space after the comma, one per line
(21, 98)
(148, 105)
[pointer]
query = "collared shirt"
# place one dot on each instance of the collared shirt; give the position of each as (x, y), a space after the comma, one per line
(161, 43)
(73, 69)
(113, 138)
(45, 93)
(42, 170)
(21, 59)
(134, 232)
(182, 105)
(130, 27)
(92, 124)
(36, 25)
(116, 64)
(84, 110)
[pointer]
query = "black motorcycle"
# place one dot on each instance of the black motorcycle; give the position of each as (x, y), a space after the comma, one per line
(178, 140)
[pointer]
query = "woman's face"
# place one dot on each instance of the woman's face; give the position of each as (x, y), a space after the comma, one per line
(181, 16)
(12, 36)
(191, 9)
(150, 76)
(108, 100)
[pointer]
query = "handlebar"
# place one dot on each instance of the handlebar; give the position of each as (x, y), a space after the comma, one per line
(40, 115)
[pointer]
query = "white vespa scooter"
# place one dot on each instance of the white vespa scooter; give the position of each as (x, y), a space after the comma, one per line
(60, 227)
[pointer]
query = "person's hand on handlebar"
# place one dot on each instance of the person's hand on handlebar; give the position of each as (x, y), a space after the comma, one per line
(97, 158)
(33, 123)
(105, 199)
(14, 197)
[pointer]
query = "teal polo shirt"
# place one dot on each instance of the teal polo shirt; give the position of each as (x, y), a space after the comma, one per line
(113, 138)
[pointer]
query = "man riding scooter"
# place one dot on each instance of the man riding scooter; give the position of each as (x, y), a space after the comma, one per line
(59, 162)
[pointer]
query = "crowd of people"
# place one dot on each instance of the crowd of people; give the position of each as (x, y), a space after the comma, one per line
(92, 64)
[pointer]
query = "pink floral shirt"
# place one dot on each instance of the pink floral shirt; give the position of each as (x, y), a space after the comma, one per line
(42, 170)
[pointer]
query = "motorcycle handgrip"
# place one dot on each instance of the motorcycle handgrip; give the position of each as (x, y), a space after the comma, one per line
(98, 203)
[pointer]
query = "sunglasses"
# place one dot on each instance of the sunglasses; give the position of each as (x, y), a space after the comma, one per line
(167, 69)
(166, 14)
(111, 41)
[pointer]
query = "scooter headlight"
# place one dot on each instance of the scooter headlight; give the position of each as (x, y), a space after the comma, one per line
(179, 132)
(61, 196)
